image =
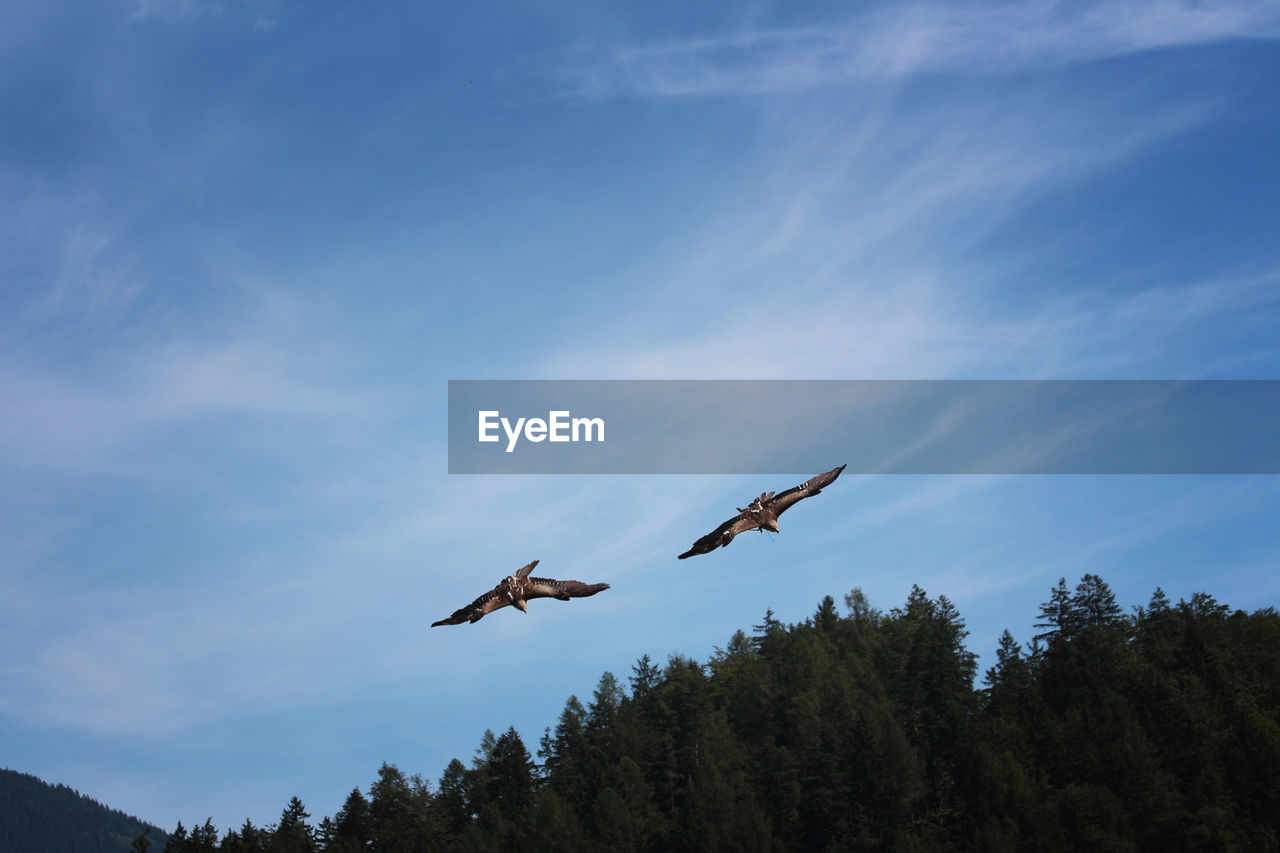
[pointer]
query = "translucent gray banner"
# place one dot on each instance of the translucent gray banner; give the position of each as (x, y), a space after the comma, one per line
(876, 426)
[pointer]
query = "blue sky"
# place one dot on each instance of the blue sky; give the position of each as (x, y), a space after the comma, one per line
(244, 245)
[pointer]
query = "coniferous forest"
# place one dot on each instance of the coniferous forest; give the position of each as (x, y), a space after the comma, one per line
(1156, 729)
(35, 815)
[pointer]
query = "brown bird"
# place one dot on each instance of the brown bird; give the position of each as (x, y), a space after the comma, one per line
(517, 589)
(762, 513)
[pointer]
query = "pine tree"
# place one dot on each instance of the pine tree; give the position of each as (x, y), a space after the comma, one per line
(452, 802)
(352, 825)
(400, 819)
(645, 678)
(563, 754)
(511, 781)
(178, 840)
(293, 834)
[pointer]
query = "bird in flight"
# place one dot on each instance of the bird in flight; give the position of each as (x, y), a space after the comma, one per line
(517, 589)
(762, 513)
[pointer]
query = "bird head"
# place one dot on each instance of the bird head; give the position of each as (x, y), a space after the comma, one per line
(522, 604)
(771, 524)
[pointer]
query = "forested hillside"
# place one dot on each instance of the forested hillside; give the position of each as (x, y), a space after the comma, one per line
(37, 816)
(1153, 730)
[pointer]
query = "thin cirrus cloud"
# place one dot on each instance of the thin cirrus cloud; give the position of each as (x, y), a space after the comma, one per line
(263, 11)
(923, 331)
(911, 39)
(76, 425)
(91, 280)
(193, 659)
(879, 237)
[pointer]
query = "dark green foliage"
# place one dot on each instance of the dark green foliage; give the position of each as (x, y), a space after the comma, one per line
(293, 834)
(510, 784)
(400, 818)
(1147, 732)
(248, 839)
(142, 843)
(352, 827)
(35, 815)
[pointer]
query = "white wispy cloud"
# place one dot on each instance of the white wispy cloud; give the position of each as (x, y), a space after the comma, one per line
(91, 281)
(1139, 332)
(910, 39)
(856, 249)
(84, 423)
(264, 12)
(878, 298)
(924, 330)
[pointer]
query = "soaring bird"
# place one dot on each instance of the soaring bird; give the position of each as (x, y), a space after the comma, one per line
(762, 513)
(517, 589)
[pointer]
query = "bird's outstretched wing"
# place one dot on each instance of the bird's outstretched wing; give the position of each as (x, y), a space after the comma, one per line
(810, 487)
(723, 534)
(563, 590)
(486, 603)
